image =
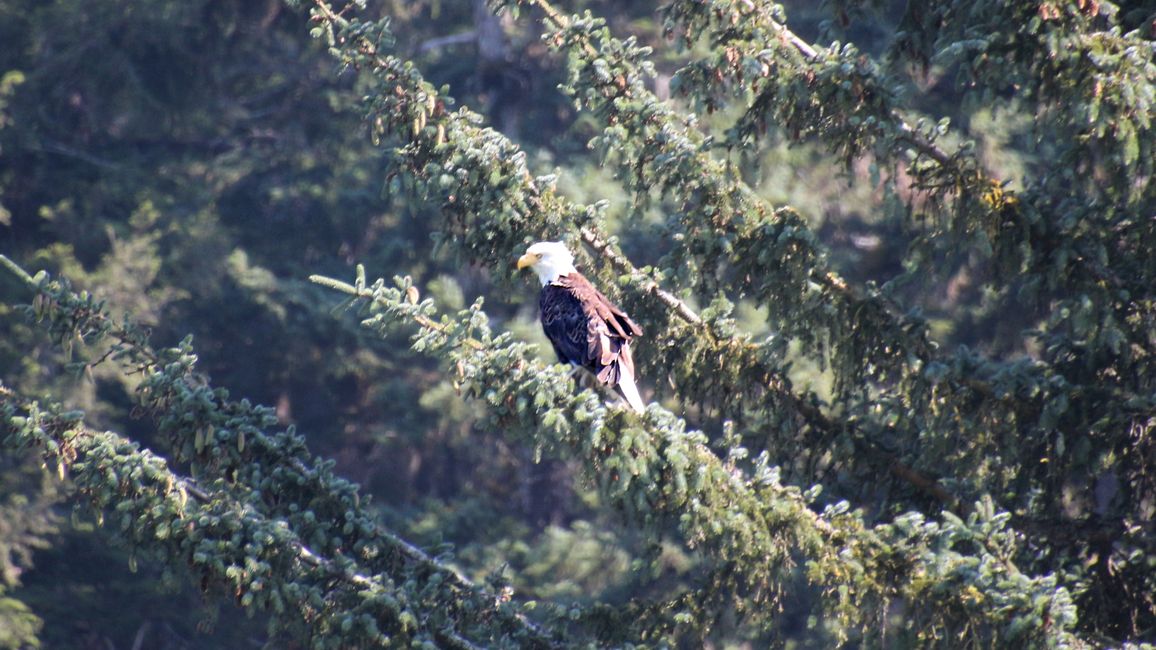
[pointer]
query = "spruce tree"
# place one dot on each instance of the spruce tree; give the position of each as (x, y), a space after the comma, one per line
(992, 494)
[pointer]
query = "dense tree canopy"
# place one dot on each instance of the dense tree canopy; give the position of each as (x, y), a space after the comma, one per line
(895, 263)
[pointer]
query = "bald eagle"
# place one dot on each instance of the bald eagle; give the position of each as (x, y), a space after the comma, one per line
(585, 328)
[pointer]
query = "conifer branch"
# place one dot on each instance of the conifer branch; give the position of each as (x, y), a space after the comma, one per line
(865, 118)
(222, 540)
(918, 139)
(811, 413)
(200, 423)
(643, 468)
(601, 246)
(1046, 50)
(750, 32)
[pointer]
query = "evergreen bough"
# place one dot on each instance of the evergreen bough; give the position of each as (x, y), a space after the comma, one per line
(976, 544)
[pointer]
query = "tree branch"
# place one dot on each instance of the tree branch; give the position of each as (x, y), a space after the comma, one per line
(158, 494)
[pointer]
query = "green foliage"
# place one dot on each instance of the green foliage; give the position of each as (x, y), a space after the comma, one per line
(913, 409)
(658, 474)
(254, 539)
(18, 626)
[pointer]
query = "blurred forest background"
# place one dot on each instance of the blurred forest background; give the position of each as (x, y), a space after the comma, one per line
(193, 162)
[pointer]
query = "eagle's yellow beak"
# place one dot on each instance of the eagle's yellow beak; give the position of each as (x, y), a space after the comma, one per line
(527, 260)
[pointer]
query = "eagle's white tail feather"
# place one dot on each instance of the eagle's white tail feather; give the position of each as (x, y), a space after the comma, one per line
(630, 393)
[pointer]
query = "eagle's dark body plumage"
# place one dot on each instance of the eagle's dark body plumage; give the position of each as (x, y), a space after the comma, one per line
(586, 329)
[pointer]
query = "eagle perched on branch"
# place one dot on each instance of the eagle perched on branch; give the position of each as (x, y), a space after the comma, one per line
(585, 328)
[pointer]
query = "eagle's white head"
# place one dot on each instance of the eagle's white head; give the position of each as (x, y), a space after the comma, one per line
(549, 259)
